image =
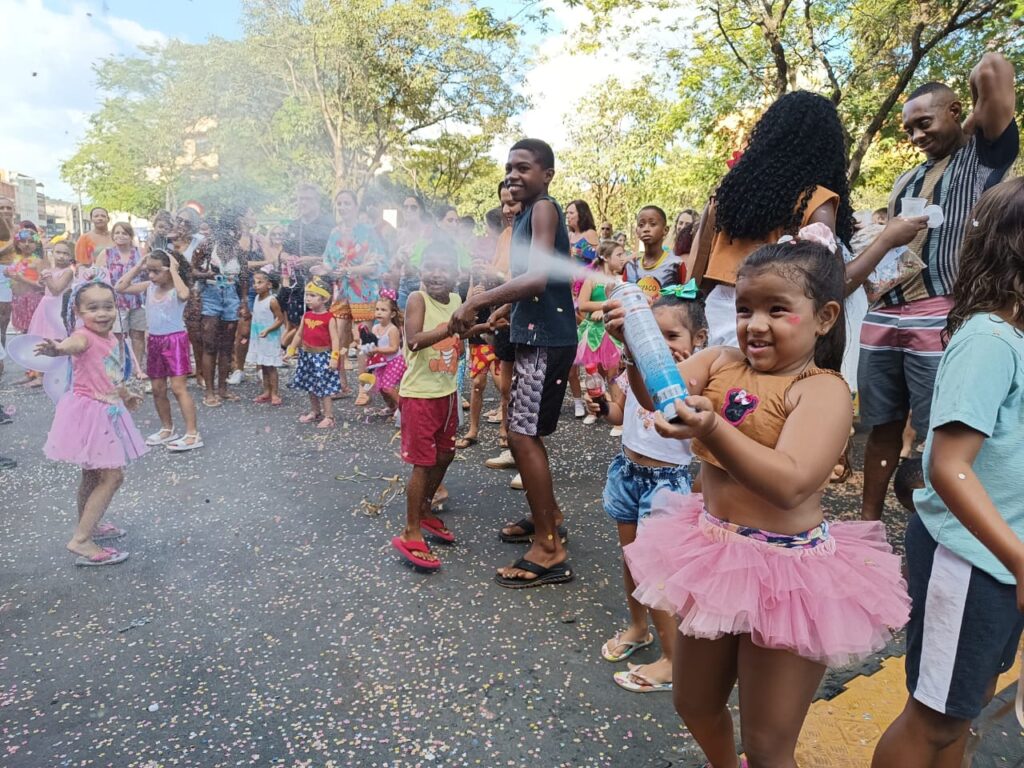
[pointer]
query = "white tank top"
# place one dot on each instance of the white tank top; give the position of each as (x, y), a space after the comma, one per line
(166, 314)
(639, 435)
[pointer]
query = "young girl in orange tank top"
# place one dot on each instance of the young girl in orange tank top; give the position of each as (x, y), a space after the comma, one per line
(768, 593)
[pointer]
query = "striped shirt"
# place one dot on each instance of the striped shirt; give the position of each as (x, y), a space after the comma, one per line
(953, 183)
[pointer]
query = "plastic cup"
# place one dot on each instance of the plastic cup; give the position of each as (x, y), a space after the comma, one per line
(913, 206)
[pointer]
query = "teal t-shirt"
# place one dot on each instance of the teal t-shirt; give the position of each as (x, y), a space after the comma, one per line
(980, 383)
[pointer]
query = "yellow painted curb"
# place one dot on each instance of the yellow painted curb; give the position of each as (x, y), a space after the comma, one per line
(842, 733)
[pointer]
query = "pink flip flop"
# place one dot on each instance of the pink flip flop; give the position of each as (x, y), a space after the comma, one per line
(409, 551)
(109, 556)
(435, 527)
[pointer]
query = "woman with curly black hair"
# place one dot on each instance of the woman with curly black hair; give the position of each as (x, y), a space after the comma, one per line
(791, 174)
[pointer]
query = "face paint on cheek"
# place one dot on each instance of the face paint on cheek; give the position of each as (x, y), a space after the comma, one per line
(794, 319)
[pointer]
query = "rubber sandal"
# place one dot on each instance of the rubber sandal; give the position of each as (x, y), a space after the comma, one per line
(436, 527)
(212, 402)
(276, 401)
(493, 417)
(229, 397)
(638, 682)
(363, 399)
(466, 442)
(409, 550)
(309, 418)
(261, 399)
(107, 532)
(437, 504)
(631, 648)
(327, 423)
(109, 556)
(160, 438)
(182, 444)
(560, 573)
(525, 538)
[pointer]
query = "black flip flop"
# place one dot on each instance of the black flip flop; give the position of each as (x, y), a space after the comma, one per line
(559, 573)
(525, 538)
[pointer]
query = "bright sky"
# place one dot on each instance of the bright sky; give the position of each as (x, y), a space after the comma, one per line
(50, 47)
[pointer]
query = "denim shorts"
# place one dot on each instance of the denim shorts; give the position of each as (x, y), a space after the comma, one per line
(631, 487)
(221, 301)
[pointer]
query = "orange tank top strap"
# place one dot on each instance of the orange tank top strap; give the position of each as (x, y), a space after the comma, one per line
(752, 402)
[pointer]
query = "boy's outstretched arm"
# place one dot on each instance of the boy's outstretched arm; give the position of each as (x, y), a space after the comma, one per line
(533, 282)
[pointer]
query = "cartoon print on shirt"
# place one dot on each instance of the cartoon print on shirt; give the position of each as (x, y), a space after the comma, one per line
(738, 405)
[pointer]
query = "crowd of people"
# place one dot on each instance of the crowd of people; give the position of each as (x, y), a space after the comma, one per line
(761, 299)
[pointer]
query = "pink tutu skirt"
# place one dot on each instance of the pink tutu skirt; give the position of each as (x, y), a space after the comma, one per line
(832, 603)
(93, 434)
(46, 320)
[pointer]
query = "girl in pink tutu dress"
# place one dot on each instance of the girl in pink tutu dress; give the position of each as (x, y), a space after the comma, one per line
(768, 592)
(596, 347)
(92, 427)
(384, 358)
(47, 320)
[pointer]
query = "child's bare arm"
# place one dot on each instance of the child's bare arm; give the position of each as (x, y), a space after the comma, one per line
(951, 472)
(616, 401)
(813, 437)
(394, 342)
(416, 336)
(75, 344)
(278, 318)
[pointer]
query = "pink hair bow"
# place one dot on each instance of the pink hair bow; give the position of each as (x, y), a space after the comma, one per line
(388, 293)
(813, 233)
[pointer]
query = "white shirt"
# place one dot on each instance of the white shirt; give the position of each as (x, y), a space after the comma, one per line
(639, 435)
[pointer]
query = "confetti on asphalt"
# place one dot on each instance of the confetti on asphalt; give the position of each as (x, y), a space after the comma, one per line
(263, 618)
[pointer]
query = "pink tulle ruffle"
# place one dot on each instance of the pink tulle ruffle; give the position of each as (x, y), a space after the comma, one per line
(606, 356)
(833, 603)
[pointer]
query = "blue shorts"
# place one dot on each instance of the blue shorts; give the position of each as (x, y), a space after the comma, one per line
(964, 627)
(221, 301)
(631, 487)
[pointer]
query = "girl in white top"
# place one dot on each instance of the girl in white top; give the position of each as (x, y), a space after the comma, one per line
(648, 464)
(265, 334)
(167, 354)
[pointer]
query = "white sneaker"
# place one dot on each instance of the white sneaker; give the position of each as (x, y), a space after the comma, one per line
(517, 482)
(616, 432)
(590, 419)
(236, 377)
(503, 460)
(579, 409)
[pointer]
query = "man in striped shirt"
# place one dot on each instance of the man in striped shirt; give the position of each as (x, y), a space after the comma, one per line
(900, 340)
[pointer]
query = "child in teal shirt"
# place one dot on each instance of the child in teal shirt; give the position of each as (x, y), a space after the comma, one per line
(965, 547)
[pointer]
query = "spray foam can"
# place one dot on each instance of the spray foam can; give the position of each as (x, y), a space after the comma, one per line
(650, 351)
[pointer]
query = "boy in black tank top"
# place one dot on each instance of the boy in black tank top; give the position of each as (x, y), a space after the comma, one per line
(543, 330)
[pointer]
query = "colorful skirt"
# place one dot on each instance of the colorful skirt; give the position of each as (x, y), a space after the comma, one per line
(23, 307)
(315, 374)
(832, 595)
(93, 434)
(389, 375)
(596, 347)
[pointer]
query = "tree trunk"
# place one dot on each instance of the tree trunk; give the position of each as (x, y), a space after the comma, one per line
(881, 114)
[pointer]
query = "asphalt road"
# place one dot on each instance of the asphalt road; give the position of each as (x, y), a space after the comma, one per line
(264, 620)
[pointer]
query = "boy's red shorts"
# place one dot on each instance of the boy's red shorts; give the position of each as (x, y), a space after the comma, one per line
(428, 428)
